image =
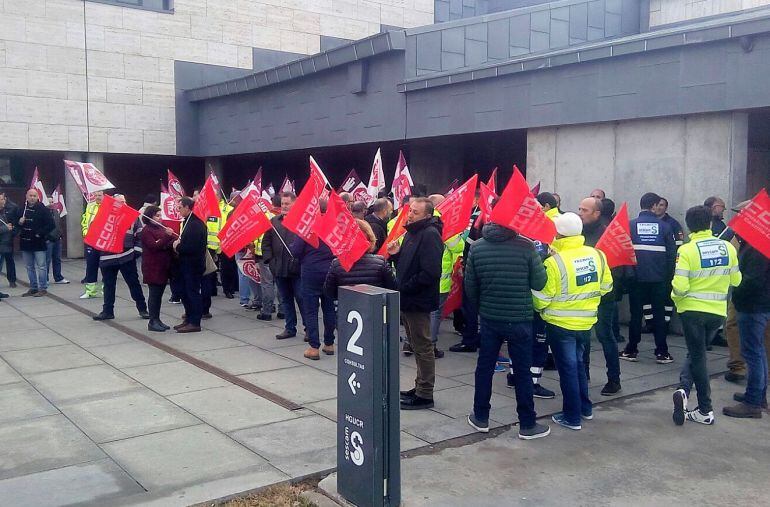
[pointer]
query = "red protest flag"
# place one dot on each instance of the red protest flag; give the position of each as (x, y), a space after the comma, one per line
(207, 205)
(303, 214)
(174, 185)
(454, 300)
(248, 266)
(486, 199)
(339, 230)
(350, 182)
(396, 232)
(286, 186)
(616, 241)
(258, 181)
(452, 187)
(316, 172)
(492, 182)
(456, 209)
(247, 223)
(753, 223)
(109, 226)
(518, 210)
(402, 182)
(37, 185)
(536, 189)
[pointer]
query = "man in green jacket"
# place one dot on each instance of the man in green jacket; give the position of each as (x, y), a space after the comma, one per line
(501, 271)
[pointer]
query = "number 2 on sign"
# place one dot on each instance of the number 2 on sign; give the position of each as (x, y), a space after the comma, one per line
(352, 347)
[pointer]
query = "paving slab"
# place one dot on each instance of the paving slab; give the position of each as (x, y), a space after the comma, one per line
(125, 415)
(408, 374)
(231, 408)
(295, 353)
(7, 310)
(43, 444)
(263, 338)
(91, 334)
(7, 374)
(17, 324)
(22, 401)
(60, 357)
(244, 359)
(432, 426)
(454, 402)
(196, 342)
(133, 353)
(44, 311)
(30, 339)
(183, 456)
(300, 384)
(94, 483)
(76, 383)
(174, 378)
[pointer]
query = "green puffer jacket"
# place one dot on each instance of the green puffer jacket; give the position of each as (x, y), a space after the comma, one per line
(502, 270)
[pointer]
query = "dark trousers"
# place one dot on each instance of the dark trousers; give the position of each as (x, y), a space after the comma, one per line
(155, 299)
(191, 281)
(208, 289)
(92, 265)
(417, 326)
(175, 282)
(657, 294)
(699, 329)
(519, 338)
(291, 291)
(131, 277)
(229, 270)
(539, 348)
(616, 322)
(568, 347)
(10, 266)
(471, 329)
(609, 343)
(312, 292)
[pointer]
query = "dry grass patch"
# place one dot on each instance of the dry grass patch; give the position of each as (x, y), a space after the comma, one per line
(284, 495)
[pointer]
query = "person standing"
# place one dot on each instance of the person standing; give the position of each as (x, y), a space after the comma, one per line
(285, 268)
(718, 226)
(655, 249)
(53, 248)
(590, 211)
(752, 304)
(124, 263)
(36, 224)
(157, 255)
(93, 289)
(191, 249)
(8, 215)
(706, 268)
(578, 276)
(418, 273)
(378, 220)
(501, 271)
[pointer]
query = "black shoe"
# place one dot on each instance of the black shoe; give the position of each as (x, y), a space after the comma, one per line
(611, 388)
(628, 356)
(156, 326)
(416, 403)
(206, 316)
(461, 347)
(264, 316)
(280, 315)
(406, 348)
(480, 426)
(407, 394)
(284, 335)
(3, 295)
(166, 327)
(438, 354)
(229, 295)
(541, 392)
(734, 377)
(144, 314)
(664, 358)
(741, 398)
(174, 301)
(104, 316)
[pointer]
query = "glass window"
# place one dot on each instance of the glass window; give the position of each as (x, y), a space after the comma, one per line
(153, 5)
(11, 172)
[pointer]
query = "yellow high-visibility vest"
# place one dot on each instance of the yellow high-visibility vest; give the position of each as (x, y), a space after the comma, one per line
(88, 216)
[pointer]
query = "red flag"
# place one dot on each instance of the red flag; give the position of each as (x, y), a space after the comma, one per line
(536, 189)
(37, 185)
(88, 177)
(376, 179)
(350, 182)
(174, 185)
(108, 229)
(258, 181)
(316, 172)
(454, 300)
(57, 199)
(247, 223)
(486, 199)
(456, 209)
(492, 182)
(163, 188)
(168, 211)
(518, 210)
(402, 182)
(305, 211)
(616, 241)
(339, 230)
(206, 205)
(248, 266)
(396, 232)
(753, 223)
(286, 186)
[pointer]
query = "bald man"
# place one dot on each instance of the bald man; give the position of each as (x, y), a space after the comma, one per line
(35, 223)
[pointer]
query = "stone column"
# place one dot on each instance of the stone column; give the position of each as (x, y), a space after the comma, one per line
(75, 207)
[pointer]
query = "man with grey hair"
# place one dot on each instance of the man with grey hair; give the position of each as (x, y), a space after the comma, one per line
(358, 209)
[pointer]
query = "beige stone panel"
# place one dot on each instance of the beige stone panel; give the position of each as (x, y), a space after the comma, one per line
(314, 43)
(104, 64)
(266, 37)
(165, 70)
(143, 68)
(236, 32)
(102, 114)
(97, 139)
(67, 112)
(14, 135)
(293, 42)
(392, 15)
(708, 152)
(319, 6)
(161, 46)
(64, 10)
(307, 22)
(27, 109)
(191, 50)
(26, 8)
(3, 100)
(125, 141)
(66, 60)
(78, 137)
(148, 118)
(119, 40)
(177, 25)
(368, 11)
(333, 26)
(245, 57)
(97, 89)
(21, 55)
(142, 21)
(46, 31)
(76, 35)
(417, 18)
(255, 12)
(76, 87)
(2, 53)
(279, 17)
(160, 142)
(158, 94)
(192, 6)
(222, 54)
(424, 6)
(124, 91)
(46, 84)
(344, 8)
(95, 38)
(167, 117)
(104, 15)
(13, 27)
(221, 9)
(205, 28)
(541, 157)
(48, 137)
(13, 81)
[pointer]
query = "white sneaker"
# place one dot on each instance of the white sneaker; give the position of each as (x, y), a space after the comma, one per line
(86, 295)
(696, 416)
(680, 406)
(62, 281)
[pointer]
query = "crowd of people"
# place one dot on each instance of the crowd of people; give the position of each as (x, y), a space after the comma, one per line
(545, 301)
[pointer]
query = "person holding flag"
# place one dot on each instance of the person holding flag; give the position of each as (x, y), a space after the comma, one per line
(157, 256)
(35, 224)
(53, 245)
(8, 216)
(191, 250)
(92, 288)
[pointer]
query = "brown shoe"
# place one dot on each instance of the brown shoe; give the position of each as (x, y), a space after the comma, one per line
(30, 292)
(179, 326)
(328, 350)
(743, 411)
(40, 293)
(189, 328)
(312, 353)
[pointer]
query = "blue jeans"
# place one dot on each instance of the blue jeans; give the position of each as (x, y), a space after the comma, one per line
(248, 289)
(519, 338)
(291, 290)
(752, 329)
(568, 347)
(53, 259)
(37, 269)
(609, 343)
(312, 291)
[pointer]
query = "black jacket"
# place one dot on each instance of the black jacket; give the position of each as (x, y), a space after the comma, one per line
(312, 260)
(9, 215)
(418, 265)
(369, 270)
(380, 228)
(275, 253)
(193, 245)
(753, 294)
(34, 231)
(593, 233)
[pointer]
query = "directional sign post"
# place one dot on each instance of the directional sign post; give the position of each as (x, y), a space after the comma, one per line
(368, 424)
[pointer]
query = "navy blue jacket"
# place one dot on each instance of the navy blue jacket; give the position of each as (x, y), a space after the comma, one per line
(312, 260)
(655, 248)
(676, 228)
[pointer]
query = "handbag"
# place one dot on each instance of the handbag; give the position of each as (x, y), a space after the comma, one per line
(211, 266)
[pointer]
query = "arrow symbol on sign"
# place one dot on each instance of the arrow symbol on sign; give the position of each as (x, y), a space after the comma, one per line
(353, 383)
